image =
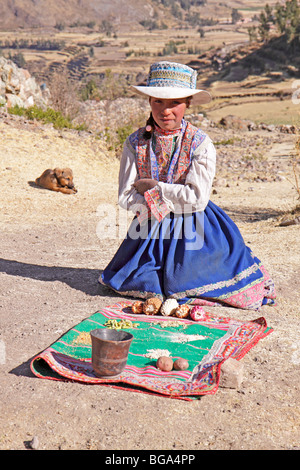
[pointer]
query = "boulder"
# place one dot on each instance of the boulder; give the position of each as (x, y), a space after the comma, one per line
(235, 122)
(18, 87)
(232, 374)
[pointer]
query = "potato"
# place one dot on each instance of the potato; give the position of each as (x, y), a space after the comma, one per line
(181, 364)
(164, 363)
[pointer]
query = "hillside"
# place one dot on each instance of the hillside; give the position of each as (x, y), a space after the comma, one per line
(48, 13)
(100, 51)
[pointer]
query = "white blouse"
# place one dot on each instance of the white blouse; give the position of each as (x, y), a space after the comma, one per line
(194, 194)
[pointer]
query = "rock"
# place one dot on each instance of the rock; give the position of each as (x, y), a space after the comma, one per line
(34, 443)
(18, 87)
(218, 182)
(13, 100)
(232, 372)
(288, 129)
(290, 221)
(235, 122)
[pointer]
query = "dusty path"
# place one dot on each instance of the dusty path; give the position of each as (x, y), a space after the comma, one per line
(51, 256)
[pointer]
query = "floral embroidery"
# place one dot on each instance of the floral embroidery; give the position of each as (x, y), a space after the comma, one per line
(157, 206)
(191, 139)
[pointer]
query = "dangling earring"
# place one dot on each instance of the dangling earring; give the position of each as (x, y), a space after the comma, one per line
(149, 127)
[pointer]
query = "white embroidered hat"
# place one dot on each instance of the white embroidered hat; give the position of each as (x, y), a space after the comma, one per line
(169, 80)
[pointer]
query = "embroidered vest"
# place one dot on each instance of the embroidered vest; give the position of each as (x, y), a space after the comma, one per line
(191, 138)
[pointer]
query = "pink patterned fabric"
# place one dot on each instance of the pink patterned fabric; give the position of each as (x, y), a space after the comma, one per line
(143, 160)
(157, 206)
(165, 142)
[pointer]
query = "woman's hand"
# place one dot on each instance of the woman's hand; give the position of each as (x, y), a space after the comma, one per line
(144, 184)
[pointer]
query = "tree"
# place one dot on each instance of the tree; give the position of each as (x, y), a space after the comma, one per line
(90, 91)
(252, 33)
(280, 18)
(269, 13)
(287, 19)
(293, 19)
(235, 16)
(264, 26)
(107, 27)
(18, 59)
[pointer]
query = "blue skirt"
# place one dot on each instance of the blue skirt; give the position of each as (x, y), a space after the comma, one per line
(198, 258)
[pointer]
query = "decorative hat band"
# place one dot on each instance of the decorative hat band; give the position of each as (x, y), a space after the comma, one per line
(166, 74)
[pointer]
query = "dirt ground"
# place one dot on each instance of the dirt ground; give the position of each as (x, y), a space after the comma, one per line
(53, 249)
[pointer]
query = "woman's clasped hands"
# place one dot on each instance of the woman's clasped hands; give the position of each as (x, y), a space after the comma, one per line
(144, 184)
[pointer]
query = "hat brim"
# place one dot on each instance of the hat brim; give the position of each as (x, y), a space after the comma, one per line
(199, 96)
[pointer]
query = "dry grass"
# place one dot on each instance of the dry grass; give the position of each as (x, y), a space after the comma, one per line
(64, 94)
(267, 110)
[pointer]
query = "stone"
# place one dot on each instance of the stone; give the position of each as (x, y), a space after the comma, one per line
(220, 182)
(34, 443)
(232, 374)
(235, 122)
(290, 220)
(13, 100)
(19, 88)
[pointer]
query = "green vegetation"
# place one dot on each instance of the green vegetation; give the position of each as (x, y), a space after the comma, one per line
(37, 44)
(47, 116)
(115, 140)
(182, 10)
(286, 18)
(112, 86)
(122, 133)
(226, 142)
(169, 49)
(107, 27)
(18, 59)
(88, 24)
(90, 91)
(235, 16)
(153, 24)
(184, 4)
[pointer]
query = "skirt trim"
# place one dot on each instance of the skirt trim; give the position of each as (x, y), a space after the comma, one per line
(252, 296)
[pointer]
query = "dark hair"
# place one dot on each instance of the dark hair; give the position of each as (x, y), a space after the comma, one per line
(150, 122)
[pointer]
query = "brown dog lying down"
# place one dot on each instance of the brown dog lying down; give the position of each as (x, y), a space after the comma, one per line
(57, 180)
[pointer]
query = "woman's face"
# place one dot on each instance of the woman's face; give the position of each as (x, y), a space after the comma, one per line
(168, 114)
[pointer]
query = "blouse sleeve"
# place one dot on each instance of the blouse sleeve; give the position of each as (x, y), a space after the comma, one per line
(129, 198)
(194, 195)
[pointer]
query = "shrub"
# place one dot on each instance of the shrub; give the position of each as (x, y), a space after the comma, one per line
(115, 139)
(47, 116)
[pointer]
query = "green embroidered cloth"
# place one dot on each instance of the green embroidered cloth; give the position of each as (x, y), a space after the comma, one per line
(205, 344)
